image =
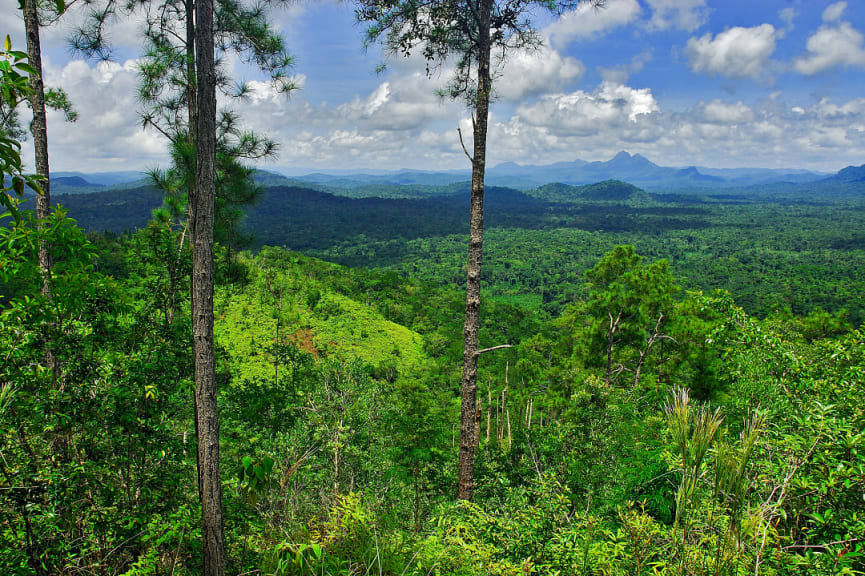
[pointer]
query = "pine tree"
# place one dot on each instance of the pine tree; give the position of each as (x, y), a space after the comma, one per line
(168, 91)
(206, 413)
(468, 30)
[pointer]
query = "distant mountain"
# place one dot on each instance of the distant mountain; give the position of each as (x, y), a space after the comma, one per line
(850, 174)
(103, 178)
(642, 172)
(693, 174)
(267, 179)
(634, 169)
(73, 185)
(400, 178)
(755, 176)
(76, 181)
(607, 191)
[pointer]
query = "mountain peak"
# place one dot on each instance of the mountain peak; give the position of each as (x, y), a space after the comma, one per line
(851, 174)
(623, 159)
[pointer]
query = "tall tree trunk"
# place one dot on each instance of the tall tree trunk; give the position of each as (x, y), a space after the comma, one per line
(191, 104)
(39, 128)
(207, 417)
(476, 238)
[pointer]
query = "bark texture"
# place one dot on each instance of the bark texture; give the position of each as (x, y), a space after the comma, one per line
(39, 126)
(191, 104)
(206, 415)
(476, 237)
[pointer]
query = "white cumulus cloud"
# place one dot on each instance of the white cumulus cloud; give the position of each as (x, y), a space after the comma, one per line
(736, 52)
(405, 102)
(588, 22)
(718, 112)
(835, 43)
(528, 74)
(682, 14)
(834, 11)
(108, 133)
(584, 113)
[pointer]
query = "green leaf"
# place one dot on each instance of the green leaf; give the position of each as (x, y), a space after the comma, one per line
(23, 66)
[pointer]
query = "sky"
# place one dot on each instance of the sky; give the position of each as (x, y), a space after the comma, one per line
(716, 83)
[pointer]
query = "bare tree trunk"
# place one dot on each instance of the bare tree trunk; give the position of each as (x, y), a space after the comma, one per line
(478, 412)
(336, 461)
(611, 342)
(507, 385)
(192, 107)
(473, 282)
(39, 128)
(489, 408)
(656, 334)
(207, 416)
(510, 442)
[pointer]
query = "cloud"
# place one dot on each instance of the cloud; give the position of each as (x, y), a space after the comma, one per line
(834, 12)
(401, 123)
(718, 112)
(402, 103)
(107, 135)
(681, 14)
(594, 125)
(528, 74)
(396, 120)
(13, 23)
(260, 92)
(588, 22)
(621, 73)
(788, 16)
(836, 43)
(583, 113)
(736, 52)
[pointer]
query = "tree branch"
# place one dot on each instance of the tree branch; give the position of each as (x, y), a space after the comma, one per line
(499, 347)
(469, 156)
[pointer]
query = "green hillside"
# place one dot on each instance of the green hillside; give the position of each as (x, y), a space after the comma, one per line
(313, 316)
(606, 191)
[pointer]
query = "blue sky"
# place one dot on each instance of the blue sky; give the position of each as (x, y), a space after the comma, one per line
(768, 83)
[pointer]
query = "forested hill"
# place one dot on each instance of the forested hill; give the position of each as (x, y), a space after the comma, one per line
(773, 255)
(606, 191)
(303, 218)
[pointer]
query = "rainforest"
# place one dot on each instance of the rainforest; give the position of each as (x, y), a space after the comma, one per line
(593, 368)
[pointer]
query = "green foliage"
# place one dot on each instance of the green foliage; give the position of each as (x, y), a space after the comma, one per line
(92, 443)
(14, 89)
(337, 394)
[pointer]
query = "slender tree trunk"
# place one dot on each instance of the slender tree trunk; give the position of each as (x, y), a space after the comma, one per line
(473, 282)
(478, 412)
(39, 128)
(489, 408)
(192, 107)
(510, 442)
(207, 417)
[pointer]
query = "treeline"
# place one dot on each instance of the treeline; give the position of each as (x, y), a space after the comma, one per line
(776, 258)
